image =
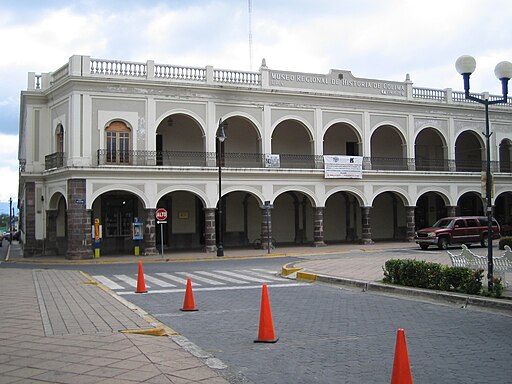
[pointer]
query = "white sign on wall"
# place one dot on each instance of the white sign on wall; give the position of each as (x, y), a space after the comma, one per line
(343, 167)
(272, 161)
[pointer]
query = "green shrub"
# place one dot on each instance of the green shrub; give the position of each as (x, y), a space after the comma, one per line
(507, 240)
(423, 274)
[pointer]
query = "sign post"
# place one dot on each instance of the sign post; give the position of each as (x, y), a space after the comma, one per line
(161, 218)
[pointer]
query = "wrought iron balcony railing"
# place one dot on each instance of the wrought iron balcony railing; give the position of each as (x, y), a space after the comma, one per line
(258, 160)
(55, 160)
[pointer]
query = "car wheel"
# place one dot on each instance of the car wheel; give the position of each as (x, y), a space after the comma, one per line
(423, 246)
(443, 243)
(485, 241)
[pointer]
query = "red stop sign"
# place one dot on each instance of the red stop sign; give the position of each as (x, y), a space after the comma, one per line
(161, 214)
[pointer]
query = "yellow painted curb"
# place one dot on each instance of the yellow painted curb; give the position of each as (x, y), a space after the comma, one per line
(286, 270)
(306, 276)
(158, 331)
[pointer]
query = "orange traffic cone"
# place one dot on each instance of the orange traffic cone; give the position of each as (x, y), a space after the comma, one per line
(266, 330)
(401, 369)
(141, 285)
(188, 304)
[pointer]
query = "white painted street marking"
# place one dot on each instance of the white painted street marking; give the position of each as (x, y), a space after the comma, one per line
(107, 282)
(195, 277)
(206, 289)
(174, 278)
(159, 282)
(128, 280)
(240, 276)
(220, 277)
(263, 275)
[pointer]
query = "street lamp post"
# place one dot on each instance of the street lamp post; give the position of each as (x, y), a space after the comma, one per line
(466, 65)
(10, 219)
(221, 136)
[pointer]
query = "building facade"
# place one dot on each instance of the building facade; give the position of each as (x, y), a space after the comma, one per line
(308, 159)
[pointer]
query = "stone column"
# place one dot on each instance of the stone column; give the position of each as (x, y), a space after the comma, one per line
(410, 223)
(79, 222)
(266, 228)
(366, 236)
(150, 233)
(318, 230)
(51, 233)
(31, 246)
(210, 242)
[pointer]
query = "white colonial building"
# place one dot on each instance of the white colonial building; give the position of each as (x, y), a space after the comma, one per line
(338, 158)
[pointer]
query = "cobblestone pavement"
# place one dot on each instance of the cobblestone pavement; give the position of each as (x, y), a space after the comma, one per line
(330, 334)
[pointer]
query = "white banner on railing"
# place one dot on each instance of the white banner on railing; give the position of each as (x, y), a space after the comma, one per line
(272, 161)
(343, 167)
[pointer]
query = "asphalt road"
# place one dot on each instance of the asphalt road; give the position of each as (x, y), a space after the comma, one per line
(328, 334)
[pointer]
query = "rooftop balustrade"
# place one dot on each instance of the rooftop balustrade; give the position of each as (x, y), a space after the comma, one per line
(86, 66)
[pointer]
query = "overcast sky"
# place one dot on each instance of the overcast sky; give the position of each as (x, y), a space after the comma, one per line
(376, 39)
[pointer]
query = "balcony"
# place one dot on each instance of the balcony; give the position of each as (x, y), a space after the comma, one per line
(53, 161)
(288, 161)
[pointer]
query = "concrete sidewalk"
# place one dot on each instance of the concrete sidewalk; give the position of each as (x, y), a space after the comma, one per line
(59, 327)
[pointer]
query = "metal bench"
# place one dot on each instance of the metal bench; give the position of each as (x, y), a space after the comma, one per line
(468, 259)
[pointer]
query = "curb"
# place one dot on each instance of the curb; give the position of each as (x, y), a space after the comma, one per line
(372, 286)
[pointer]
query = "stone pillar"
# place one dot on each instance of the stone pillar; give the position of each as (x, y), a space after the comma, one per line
(210, 242)
(266, 227)
(366, 236)
(79, 222)
(410, 223)
(31, 246)
(318, 231)
(451, 210)
(150, 233)
(51, 233)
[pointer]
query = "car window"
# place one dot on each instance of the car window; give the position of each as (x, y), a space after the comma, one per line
(472, 222)
(483, 221)
(443, 223)
(460, 224)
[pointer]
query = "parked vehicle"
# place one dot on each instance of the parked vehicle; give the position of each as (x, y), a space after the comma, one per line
(457, 230)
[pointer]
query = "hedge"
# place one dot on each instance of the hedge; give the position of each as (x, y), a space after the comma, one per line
(423, 274)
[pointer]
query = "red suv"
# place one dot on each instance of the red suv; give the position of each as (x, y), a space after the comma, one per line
(457, 230)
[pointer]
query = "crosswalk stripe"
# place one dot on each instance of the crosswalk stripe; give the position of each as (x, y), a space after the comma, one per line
(266, 276)
(107, 282)
(159, 282)
(174, 278)
(239, 276)
(224, 288)
(128, 280)
(195, 277)
(271, 271)
(220, 277)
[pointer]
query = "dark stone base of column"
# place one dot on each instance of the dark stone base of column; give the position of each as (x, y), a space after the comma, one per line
(35, 249)
(319, 244)
(51, 252)
(83, 255)
(367, 241)
(150, 251)
(210, 249)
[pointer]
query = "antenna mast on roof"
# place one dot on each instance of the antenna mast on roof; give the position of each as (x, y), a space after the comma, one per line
(250, 34)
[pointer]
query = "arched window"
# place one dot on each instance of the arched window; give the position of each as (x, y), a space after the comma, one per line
(59, 139)
(118, 143)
